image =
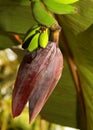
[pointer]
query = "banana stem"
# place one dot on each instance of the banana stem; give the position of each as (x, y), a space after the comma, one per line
(55, 32)
(55, 37)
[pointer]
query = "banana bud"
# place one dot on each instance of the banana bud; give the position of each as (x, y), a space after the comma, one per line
(38, 75)
(44, 38)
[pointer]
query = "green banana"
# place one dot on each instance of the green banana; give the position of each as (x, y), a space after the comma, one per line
(65, 1)
(44, 38)
(32, 32)
(29, 36)
(41, 15)
(34, 42)
(59, 8)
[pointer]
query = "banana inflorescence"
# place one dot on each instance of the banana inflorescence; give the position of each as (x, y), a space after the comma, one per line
(41, 68)
(34, 82)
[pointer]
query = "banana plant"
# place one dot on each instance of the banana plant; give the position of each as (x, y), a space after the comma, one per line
(78, 33)
(43, 61)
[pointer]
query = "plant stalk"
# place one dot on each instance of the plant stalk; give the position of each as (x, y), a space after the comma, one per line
(55, 33)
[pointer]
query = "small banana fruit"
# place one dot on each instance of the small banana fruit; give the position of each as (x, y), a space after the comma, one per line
(65, 1)
(59, 8)
(41, 15)
(32, 32)
(34, 42)
(29, 35)
(44, 38)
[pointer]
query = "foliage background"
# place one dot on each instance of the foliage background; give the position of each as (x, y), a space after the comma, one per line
(64, 105)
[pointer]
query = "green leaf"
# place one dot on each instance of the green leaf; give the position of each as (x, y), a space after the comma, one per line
(81, 47)
(15, 16)
(16, 2)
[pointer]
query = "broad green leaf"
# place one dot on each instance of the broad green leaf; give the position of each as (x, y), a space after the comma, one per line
(15, 2)
(86, 76)
(81, 46)
(15, 16)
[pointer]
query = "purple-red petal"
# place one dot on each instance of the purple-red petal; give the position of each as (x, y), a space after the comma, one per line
(46, 85)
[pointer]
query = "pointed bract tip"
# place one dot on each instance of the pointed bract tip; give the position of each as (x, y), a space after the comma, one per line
(15, 111)
(31, 118)
(15, 114)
